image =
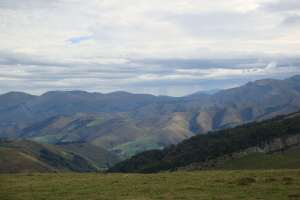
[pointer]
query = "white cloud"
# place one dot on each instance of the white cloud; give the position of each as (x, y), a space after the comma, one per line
(109, 45)
(221, 73)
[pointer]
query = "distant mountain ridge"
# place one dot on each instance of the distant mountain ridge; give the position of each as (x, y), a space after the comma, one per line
(69, 103)
(130, 123)
(210, 92)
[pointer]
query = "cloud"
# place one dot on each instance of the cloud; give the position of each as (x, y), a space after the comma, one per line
(282, 6)
(145, 46)
(229, 26)
(291, 20)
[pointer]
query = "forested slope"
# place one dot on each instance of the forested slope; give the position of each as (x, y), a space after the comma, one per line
(209, 146)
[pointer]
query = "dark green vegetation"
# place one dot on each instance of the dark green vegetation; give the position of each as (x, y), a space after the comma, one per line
(210, 146)
(96, 155)
(252, 184)
(18, 156)
(131, 123)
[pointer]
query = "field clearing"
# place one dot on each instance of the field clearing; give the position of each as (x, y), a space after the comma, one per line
(247, 184)
(146, 142)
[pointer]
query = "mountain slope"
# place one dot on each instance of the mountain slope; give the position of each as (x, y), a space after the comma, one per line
(13, 161)
(260, 90)
(209, 146)
(124, 136)
(96, 155)
(39, 157)
(12, 99)
(53, 103)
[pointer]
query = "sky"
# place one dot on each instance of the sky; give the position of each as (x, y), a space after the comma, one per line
(160, 47)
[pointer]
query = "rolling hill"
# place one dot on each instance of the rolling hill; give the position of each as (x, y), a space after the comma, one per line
(19, 156)
(124, 136)
(13, 161)
(96, 155)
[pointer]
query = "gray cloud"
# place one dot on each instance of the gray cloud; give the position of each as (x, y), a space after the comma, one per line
(282, 6)
(150, 75)
(161, 47)
(291, 20)
(226, 25)
(28, 4)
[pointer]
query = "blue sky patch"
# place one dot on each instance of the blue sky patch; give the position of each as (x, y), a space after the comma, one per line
(76, 40)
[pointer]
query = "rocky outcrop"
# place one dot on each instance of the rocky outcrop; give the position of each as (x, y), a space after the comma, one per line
(273, 145)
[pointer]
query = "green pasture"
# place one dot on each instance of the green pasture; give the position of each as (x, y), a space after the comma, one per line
(247, 184)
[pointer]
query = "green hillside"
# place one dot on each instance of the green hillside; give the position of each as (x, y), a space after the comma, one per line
(124, 136)
(13, 161)
(96, 155)
(209, 146)
(40, 158)
(260, 161)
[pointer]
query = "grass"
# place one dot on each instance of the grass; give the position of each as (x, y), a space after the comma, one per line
(13, 161)
(97, 122)
(248, 184)
(71, 127)
(49, 139)
(260, 161)
(144, 143)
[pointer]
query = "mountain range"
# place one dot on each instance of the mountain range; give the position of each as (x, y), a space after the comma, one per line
(128, 123)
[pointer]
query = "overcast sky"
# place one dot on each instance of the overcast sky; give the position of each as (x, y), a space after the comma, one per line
(162, 47)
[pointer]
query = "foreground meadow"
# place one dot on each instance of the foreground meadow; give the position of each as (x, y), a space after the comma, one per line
(247, 184)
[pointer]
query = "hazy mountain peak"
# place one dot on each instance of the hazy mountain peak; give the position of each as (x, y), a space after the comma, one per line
(295, 78)
(119, 93)
(82, 92)
(210, 92)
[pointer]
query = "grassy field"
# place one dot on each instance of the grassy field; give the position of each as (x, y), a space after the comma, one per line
(248, 184)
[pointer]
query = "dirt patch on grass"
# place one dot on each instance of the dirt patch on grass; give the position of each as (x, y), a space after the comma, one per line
(270, 179)
(244, 180)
